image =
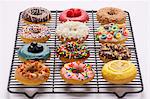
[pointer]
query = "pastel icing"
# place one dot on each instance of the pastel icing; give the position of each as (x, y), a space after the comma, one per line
(71, 29)
(25, 54)
(77, 71)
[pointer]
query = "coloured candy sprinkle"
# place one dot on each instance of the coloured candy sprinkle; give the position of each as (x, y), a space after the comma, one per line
(111, 32)
(72, 50)
(109, 36)
(104, 36)
(78, 71)
(125, 33)
(118, 35)
(114, 28)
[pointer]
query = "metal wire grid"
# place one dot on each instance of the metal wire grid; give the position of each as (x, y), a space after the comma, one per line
(56, 84)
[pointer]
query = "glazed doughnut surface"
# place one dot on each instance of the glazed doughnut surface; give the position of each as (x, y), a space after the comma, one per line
(77, 73)
(74, 14)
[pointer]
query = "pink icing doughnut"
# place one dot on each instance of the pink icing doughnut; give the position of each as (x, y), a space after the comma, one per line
(77, 73)
(74, 14)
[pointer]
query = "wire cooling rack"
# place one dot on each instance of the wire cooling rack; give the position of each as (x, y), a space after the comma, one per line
(56, 84)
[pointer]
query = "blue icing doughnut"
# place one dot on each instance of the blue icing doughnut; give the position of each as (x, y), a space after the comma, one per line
(28, 55)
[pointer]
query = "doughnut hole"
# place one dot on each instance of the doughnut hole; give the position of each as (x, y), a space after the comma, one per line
(112, 12)
(32, 69)
(78, 70)
(36, 29)
(36, 12)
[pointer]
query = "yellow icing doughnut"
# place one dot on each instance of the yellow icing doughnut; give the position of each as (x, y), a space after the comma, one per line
(119, 71)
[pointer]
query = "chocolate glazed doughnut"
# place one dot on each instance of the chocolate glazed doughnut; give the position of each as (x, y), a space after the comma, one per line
(110, 51)
(36, 15)
(111, 15)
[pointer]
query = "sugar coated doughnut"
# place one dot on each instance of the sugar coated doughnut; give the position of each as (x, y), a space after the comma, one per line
(111, 15)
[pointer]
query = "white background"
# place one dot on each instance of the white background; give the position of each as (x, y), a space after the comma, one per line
(9, 12)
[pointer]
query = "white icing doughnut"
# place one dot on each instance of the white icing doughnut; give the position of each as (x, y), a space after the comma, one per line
(72, 30)
(34, 31)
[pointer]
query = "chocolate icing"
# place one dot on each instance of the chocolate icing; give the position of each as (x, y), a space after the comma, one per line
(114, 51)
(36, 14)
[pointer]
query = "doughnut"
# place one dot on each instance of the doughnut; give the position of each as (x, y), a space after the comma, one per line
(112, 33)
(72, 51)
(119, 71)
(74, 14)
(111, 15)
(34, 51)
(110, 51)
(32, 73)
(72, 31)
(34, 33)
(77, 73)
(36, 15)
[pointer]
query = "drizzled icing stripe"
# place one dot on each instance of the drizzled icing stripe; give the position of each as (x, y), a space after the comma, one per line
(36, 14)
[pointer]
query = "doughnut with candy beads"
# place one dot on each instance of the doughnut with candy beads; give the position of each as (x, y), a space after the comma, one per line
(112, 33)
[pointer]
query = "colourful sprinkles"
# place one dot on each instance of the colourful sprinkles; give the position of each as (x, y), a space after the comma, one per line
(72, 50)
(77, 71)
